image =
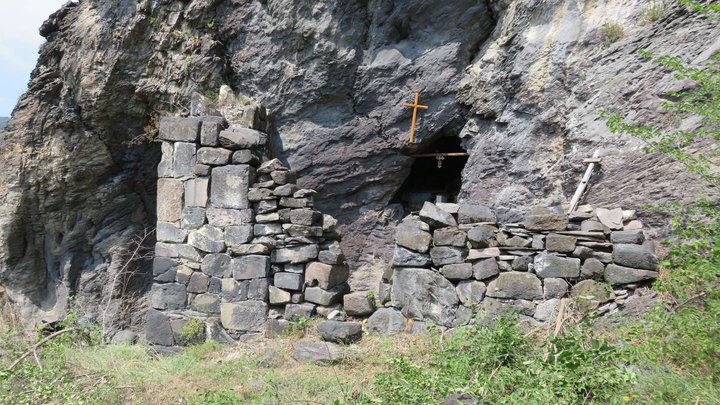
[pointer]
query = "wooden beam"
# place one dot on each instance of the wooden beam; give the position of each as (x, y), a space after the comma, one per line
(440, 154)
(583, 183)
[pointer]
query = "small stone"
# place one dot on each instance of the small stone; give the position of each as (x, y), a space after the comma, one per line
(238, 234)
(616, 275)
(325, 275)
(297, 254)
(560, 243)
(336, 315)
(485, 269)
(288, 281)
(358, 303)
(340, 332)
(407, 258)
(259, 194)
(334, 256)
(302, 230)
(184, 159)
(169, 208)
(270, 166)
(443, 255)
(543, 219)
(294, 312)
(266, 206)
(305, 217)
(275, 328)
(410, 236)
(538, 242)
(286, 190)
(633, 225)
(436, 217)
(177, 250)
(592, 267)
(476, 254)
(241, 138)
(267, 229)
(450, 208)
(613, 219)
(546, 309)
(516, 285)
(386, 321)
(316, 352)
(268, 218)
(169, 232)
(179, 129)
(635, 256)
(469, 214)
(461, 271)
(248, 316)
(202, 170)
(554, 288)
(124, 338)
(210, 130)
(170, 296)
(592, 226)
(481, 236)
(449, 237)
(250, 249)
(627, 237)
(583, 252)
(278, 296)
(208, 239)
(245, 157)
(590, 294)
(281, 177)
(295, 202)
(206, 303)
(157, 329)
(183, 274)
(547, 265)
(249, 267)
(326, 297)
(516, 241)
(198, 283)
(521, 263)
(213, 156)
(471, 293)
(304, 193)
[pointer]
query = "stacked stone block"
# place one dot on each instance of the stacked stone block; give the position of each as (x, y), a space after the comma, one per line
(452, 260)
(238, 242)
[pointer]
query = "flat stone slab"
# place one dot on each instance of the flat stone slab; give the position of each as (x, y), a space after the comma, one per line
(317, 352)
(179, 129)
(436, 217)
(613, 219)
(230, 185)
(242, 138)
(473, 213)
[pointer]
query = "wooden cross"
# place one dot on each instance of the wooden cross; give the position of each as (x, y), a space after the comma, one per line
(415, 107)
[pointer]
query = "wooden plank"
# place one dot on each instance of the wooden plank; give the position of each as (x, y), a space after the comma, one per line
(583, 184)
(440, 154)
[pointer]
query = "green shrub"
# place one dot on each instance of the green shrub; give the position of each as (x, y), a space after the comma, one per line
(654, 10)
(612, 32)
(193, 332)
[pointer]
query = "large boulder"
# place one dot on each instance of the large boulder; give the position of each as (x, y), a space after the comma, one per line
(424, 295)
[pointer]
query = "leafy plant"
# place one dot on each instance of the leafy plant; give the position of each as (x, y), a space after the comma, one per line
(211, 24)
(612, 32)
(193, 332)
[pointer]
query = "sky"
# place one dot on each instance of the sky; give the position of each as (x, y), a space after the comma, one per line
(19, 45)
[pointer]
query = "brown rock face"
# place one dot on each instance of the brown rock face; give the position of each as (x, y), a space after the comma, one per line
(520, 87)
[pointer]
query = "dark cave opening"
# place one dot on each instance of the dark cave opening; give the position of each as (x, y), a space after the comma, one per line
(434, 176)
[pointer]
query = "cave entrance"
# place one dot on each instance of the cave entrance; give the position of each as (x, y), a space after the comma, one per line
(436, 174)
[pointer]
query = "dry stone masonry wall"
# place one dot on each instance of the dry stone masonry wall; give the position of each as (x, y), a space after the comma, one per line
(453, 260)
(239, 246)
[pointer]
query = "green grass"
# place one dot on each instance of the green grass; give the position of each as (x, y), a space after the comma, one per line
(612, 32)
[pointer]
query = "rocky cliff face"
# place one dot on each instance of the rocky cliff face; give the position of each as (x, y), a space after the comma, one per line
(520, 82)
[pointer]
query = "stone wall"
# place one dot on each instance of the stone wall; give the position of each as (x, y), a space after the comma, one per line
(451, 261)
(239, 246)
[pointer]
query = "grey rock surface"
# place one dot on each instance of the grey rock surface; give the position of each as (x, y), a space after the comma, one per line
(424, 295)
(340, 332)
(386, 321)
(316, 352)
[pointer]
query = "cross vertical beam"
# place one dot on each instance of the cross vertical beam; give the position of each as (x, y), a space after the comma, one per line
(415, 107)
